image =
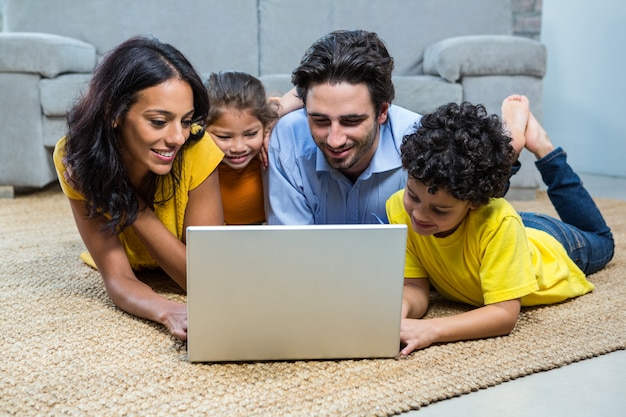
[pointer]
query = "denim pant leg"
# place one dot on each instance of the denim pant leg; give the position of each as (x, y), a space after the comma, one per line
(582, 229)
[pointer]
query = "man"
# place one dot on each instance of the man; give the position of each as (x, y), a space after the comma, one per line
(337, 160)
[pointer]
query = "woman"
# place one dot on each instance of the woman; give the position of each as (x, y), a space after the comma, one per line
(137, 174)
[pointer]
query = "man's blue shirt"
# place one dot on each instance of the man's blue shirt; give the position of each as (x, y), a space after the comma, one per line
(303, 189)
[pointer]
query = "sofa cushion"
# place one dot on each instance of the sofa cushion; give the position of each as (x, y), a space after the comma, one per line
(45, 54)
(456, 57)
(288, 28)
(276, 84)
(424, 93)
(54, 128)
(24, 161)
(59, 94)
(213, 35)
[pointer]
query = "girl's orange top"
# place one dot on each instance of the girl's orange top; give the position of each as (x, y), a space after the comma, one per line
(242, 194)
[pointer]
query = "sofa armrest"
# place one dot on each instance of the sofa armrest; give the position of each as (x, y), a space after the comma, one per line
(45, 54)
(454, 58)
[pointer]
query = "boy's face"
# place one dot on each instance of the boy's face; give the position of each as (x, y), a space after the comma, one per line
(344, 125)
(437, 214)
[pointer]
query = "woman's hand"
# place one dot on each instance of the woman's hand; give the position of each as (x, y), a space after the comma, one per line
(123, 287)
(175, 319)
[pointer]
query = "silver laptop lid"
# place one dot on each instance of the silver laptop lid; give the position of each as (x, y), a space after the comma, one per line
(294, 292)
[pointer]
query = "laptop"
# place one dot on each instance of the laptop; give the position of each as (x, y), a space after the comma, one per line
(267, 293)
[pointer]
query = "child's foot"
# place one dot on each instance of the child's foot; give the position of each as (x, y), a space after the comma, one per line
(515, 110)
(537, 140)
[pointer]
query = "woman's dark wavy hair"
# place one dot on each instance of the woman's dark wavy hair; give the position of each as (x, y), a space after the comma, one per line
(93, 147)
(353, 56)
(462, 150)
(241, 91)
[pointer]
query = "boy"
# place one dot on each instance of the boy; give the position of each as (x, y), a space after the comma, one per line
(469, 243)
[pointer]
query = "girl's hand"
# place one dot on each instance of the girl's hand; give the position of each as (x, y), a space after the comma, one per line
(283, 105)
(264, 149)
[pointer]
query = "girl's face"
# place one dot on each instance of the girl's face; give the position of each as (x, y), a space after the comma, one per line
(155, 128)
(239, 134)
(437, 214)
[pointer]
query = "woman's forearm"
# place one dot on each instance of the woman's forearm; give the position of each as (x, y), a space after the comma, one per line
(163, 246)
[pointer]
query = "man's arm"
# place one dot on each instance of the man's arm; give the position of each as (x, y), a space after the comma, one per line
(286, 202)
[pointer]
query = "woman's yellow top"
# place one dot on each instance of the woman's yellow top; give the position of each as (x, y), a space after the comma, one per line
(201, 158)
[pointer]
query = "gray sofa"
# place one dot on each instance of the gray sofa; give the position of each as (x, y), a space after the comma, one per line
(445, 50)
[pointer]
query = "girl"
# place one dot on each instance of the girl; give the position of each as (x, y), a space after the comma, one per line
(240, 118)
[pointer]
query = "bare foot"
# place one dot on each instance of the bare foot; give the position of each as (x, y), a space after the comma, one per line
(537, 140)
(515, 110)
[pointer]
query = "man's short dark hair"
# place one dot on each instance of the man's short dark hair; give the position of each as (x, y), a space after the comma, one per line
(352, 56)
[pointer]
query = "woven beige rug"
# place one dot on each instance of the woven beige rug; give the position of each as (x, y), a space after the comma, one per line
(66, 350)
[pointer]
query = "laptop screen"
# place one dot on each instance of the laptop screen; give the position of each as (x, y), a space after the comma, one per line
(294, 292)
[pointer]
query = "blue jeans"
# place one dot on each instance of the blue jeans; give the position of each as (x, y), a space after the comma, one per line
(582, 229)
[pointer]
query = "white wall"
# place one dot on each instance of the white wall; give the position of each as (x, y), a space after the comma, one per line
(585, 83)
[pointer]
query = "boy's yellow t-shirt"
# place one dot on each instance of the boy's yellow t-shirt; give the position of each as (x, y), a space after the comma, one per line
(491, 258)
(200, 159)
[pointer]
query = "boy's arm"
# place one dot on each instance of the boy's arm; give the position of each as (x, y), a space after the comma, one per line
(491, 320)
(415, 297)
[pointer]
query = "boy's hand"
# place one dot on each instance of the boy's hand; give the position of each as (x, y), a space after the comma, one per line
(416, 334)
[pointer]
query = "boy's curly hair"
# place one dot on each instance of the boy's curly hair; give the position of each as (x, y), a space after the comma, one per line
(462, 150)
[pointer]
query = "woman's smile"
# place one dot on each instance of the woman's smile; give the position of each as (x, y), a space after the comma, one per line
(166, 156)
